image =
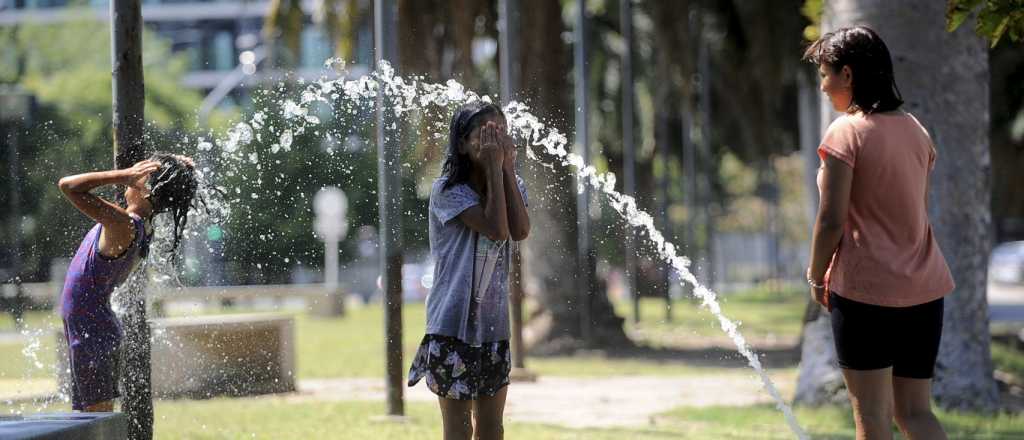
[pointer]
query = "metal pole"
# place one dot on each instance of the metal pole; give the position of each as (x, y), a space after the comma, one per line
(389, 201)
(663, 202)
(129, 88)
(14, 168)
(508, 48)
(690, 177)
(129, 102)
(707, 193)
(585, 256)
(628, 148)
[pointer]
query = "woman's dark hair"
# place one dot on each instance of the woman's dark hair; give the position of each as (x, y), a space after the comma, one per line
(457, 165)
(860, 48)
(172, 188)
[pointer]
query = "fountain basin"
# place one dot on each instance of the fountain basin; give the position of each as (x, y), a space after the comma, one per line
(216, 355)
(64, 426)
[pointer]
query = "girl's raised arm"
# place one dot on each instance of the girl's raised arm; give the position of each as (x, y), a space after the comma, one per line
(116, 222)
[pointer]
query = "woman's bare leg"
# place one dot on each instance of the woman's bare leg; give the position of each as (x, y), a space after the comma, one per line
(913, 409)
(872, 400)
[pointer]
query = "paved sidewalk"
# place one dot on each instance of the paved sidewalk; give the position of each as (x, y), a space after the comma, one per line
(577, 402)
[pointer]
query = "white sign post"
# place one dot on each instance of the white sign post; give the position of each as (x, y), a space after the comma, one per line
(331, 206)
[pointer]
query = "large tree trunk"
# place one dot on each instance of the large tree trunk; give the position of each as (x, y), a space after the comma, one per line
(946, 87)
(819, 381)
(550, 255)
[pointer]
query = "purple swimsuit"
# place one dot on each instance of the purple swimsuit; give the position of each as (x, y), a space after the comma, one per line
(92, 330)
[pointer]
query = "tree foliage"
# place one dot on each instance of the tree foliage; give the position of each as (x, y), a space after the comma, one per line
(995, 18)
(67, 67)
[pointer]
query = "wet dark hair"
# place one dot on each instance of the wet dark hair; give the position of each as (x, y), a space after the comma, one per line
(860, 48)
(172, 189)
(457, 166)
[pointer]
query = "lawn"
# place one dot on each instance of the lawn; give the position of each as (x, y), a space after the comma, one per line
(352, 346)
(276, 418)
(286, 418)
(763, 315)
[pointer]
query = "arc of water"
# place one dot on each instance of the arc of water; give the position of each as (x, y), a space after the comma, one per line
(415, 93)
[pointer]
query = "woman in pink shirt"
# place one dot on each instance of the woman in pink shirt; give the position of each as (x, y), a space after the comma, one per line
(875, 263)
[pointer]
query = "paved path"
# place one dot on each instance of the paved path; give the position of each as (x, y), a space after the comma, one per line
(578, 402)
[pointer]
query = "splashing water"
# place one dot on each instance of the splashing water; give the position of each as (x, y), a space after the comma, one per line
(32, 351)
(346, 96)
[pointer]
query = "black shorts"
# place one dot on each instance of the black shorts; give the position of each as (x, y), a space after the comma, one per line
(870, 337)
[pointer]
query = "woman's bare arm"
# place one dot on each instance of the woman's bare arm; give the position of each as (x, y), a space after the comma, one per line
(837, 179)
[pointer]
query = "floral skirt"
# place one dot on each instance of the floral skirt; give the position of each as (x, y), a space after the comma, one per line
(459, 371)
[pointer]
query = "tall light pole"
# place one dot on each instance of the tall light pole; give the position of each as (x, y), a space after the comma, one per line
(629, 148)
(586, 285)
(129, 102)
(508, 48)
(389, 205)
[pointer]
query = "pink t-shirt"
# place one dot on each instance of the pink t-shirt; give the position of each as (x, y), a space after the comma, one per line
(888, 255)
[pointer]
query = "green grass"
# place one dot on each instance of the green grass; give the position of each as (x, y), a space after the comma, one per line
(15, 364)
(283, 418)
(352, 346)
(1008, 359)
(762, 314)
(765, 422)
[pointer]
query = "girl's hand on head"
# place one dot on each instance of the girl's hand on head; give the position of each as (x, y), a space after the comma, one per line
(137, 174)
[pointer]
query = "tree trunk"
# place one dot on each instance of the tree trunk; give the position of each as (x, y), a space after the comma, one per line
(946, 87)
(550, 255)
(819, 381)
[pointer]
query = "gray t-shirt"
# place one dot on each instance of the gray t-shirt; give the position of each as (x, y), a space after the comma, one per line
(454, 307)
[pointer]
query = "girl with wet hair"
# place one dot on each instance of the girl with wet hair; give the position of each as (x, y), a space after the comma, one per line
(476, 207)
(875, 263)
(106, 257)
(173, 189)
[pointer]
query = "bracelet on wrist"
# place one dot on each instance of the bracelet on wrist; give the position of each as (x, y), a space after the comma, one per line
(814, 284)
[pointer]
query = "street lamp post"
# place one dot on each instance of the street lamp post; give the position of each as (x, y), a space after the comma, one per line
(389, 206)
(331, 206)
(628, 148)
(508, 45)
(585, 257)
(128, 116)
